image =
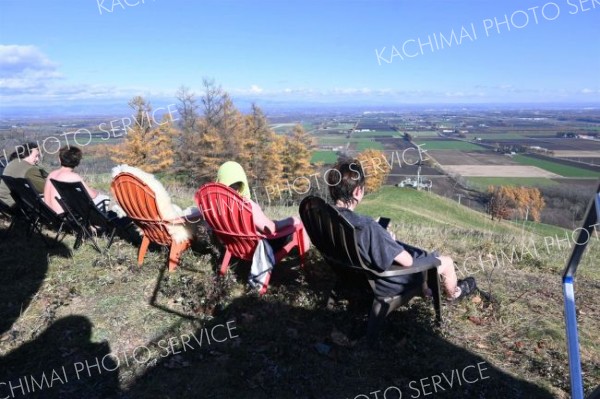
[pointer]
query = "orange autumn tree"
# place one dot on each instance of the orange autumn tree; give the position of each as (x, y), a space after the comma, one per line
(508, 201)
(375, 167)
(148, 144)
(297, 169)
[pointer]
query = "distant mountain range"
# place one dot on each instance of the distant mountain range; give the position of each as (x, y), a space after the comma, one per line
(94, 109)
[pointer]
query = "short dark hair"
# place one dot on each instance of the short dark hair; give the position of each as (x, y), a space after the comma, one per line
(343, 178)
(23, 150)
(70, 156)
(237, 186)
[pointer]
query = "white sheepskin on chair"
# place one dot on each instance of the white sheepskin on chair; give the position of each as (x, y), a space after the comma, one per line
(167, 209)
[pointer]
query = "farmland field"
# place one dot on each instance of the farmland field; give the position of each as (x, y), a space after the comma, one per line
(456, 157)
(449, 145)
(481, 183)
(378, 133)
(555, 167)
(498, 171)
(364, 145)
(422, 133)
(324, 156)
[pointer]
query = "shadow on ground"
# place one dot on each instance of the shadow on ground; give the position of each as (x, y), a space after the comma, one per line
(23, 265)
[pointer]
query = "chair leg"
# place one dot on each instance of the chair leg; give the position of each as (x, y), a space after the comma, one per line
(433, 282)
(111, 238)
(379, 311)
(225, 263)
(175, 254)
(301, 248)
(142, 250)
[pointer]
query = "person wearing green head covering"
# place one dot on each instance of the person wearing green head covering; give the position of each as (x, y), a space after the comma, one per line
(233, 175)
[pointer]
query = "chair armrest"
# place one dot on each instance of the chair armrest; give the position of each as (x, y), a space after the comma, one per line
(286, 231)
(396, 270)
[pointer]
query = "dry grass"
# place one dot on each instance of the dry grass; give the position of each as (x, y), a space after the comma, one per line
(289, 345)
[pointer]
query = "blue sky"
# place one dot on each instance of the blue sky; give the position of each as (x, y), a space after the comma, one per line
(338, 52)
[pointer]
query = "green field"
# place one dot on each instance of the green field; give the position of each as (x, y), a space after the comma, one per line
(554, 167)
(421, 133)
(377, 133)
(482, 183)
(364, 145)
(324, 156)
(449, 145)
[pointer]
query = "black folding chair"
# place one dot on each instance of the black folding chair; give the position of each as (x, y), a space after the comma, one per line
(8, 213)
(335, 238)
(34, 210)
(83, 213)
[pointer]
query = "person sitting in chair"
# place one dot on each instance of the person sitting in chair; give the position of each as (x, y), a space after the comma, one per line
(23, 163)
(379, 247)
(232, 174)
(70, 157)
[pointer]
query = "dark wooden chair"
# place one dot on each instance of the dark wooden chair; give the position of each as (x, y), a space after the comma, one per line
(335, 238)
(83, 213)
(35, 211)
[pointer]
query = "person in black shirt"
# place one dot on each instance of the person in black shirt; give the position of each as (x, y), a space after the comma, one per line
(379, 247)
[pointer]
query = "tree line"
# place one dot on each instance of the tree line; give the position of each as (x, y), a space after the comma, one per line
(209, 131)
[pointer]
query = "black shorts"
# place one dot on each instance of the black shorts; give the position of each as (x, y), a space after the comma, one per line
(278, 243)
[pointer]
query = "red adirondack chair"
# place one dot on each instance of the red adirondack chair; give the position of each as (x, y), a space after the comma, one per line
(230, 218)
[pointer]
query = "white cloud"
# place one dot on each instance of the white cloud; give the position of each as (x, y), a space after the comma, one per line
(25, 69)
(255, 89)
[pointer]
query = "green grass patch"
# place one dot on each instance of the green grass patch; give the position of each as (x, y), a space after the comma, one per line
(324, 156)
(554, 167)
(449, 145)
(364, 145)
(377, 133)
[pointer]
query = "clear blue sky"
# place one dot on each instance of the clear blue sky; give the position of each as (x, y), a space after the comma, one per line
(68, 51)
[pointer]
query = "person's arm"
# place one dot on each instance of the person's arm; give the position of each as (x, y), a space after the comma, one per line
(37, 176)
(93, 193)
(403, 258)
(261, 222)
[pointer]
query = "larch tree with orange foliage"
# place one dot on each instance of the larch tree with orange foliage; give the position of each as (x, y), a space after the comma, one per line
(376, 168)
(297, 151)
(147, 147)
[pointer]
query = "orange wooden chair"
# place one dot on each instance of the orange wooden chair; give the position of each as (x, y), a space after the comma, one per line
(141, 201)
(230, 218)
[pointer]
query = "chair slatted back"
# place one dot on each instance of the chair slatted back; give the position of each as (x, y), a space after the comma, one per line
(331, 233)
(138, 200)
(230, 217)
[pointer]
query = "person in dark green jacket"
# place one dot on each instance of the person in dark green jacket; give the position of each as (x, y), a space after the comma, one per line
(24, 165)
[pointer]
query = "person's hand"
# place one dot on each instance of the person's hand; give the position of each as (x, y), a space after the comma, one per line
(296, 221)
(392, 235)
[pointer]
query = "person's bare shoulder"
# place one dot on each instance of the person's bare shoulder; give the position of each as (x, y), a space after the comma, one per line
(66, 176)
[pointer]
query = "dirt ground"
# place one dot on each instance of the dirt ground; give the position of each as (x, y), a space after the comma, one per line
(498, 171)
(456, 157)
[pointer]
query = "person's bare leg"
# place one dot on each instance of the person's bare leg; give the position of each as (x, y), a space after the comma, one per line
(449, 278)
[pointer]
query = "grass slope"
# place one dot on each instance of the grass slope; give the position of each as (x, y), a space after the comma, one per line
(60, 307)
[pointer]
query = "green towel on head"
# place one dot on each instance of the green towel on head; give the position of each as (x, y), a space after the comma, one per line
(232, 172)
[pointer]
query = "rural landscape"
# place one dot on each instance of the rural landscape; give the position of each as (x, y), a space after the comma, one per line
(287, 343)
(358, 199)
